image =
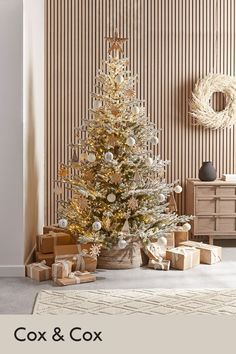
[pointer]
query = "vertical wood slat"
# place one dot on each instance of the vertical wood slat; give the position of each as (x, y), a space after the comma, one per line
(171, 44)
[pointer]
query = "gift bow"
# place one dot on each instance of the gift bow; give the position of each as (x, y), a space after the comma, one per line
(75, 276)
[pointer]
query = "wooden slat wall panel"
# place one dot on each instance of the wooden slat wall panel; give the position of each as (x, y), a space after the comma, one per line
(171, 44)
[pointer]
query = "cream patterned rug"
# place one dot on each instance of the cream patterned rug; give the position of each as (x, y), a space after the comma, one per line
(137, 301)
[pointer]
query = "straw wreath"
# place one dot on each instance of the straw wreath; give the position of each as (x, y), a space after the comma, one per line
(200, 105)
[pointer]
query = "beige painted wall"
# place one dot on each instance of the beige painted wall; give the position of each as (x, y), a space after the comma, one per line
(33, 122)
(11, 138)
(171, 44)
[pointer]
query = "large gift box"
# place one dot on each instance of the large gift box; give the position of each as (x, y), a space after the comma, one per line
(209, 254)
(161, 265)
(76, 278)
(180, 236)
(61, 269)
(47, 242)
(54, 228)
(183, 257)
(39, 271)
(79, 257)
(47, 257)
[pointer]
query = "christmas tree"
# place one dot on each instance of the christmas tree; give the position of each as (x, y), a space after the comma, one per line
(118, 188)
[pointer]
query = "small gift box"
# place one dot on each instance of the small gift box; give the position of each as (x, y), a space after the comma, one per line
(39, 271)
(47, 242)
(47, 257)
(154, 251)
(180, 236)
(183, 257)
(161, 265)
(61, 269)
(76, 278)
(79, 257)
(54, 228)
(209, 254)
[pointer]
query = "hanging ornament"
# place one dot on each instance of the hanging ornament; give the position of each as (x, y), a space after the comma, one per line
(125, 228)
(162, 241)
(63, 171)
(112, 140)
(91, 157)
(161, 198)
(95, 250)
(116, 178)
(178, 189)
(133, 203)
(62, 223)
(130, 141)
(119, 79)
(154, 140)
(75, 158)
(122, 243)
(97, 104)
(137, 177)
(186, 227)
(115, 111)
(135, 110)
(89, 176)
(108, 156)
(111, 197)
(97, 226)
(82, 202)
(106, 221)
(148, 161)
(83, 157)
(130, 93)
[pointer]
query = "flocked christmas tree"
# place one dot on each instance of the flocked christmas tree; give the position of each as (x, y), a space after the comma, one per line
(118, 189)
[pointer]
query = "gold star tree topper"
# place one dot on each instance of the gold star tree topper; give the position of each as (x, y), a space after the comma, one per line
(116, 42)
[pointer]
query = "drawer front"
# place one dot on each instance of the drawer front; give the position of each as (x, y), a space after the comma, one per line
(204, 225)
(211, 224)
(226, 224)
(205, 191)
(205, 206)
(229, 191)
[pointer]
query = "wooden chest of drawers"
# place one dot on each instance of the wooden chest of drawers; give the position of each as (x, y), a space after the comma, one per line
(214, 206)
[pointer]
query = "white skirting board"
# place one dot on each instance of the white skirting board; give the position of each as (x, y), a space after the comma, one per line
(12, 270)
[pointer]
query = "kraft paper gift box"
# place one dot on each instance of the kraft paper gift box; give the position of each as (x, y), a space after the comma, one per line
(54, 228)
(180, 236)
(183, 257)
(209, 254)
(76, 278)
(79, 257)
(161, 265)
(39, 271)
(61, 269)
(48, 257)
(47, 242)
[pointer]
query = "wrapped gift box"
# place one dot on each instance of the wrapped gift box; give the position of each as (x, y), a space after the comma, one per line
(209, 254)
(76, 278)
(162, 265)
(39, 271)
(61, 269)
(54, 228)
(48, 257)
(180, 236)
(153, 251)
(170, 237)
(183, 257)
(78, 256)
(47, 242)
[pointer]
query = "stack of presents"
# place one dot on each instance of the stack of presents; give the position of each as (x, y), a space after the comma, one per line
(60, 258)
(180, 253)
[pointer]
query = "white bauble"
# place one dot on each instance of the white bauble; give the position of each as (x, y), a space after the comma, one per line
(111, 197)
(186, 227)
(130, 141)
(62, 223)
(154, 140)
(119, 79)
(97, 104)
(122, 243)
(178, 189)
(148, 161)
(97, 226)
(91, 157)
(135, 110)
(162, 241)
(161, 198)
(108, 156)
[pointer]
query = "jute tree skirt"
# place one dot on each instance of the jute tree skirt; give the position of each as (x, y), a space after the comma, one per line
(137, 301)
(115, 258)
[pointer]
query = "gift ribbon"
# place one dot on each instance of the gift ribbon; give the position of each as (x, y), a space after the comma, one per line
(80, 263)
(75, 277)
(41, 265)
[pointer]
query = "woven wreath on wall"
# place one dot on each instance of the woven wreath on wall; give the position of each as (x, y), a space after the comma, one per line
(200, 106)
